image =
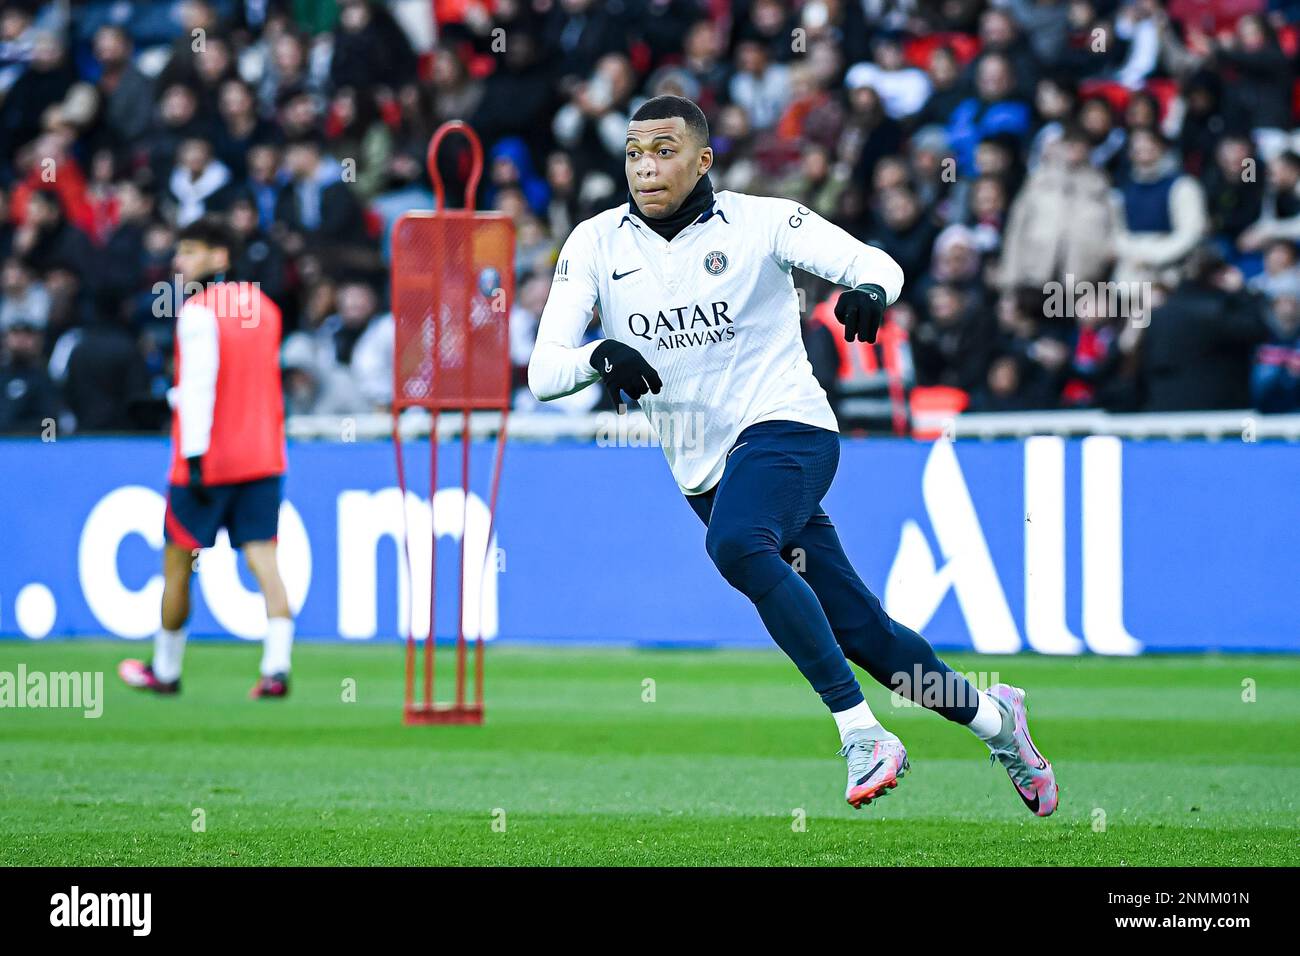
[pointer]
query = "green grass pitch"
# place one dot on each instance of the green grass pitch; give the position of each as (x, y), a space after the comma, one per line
(1160, 762)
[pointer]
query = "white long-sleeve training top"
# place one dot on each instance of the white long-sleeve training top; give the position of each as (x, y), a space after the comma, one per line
(714, 311)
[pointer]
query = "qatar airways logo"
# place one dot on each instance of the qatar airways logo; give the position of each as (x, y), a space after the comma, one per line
(683, 326)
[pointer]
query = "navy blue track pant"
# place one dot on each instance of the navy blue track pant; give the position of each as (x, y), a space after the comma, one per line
(764, 514)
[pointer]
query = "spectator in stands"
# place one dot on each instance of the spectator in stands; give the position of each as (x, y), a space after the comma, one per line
(258, 259)
(1107, 136)
(370, 50)
(23, 299)
(124, 253)
(127, 94)
(286, 69)
(457, 93)
(44, 83)
(1234, 191)
(1000, 34)
(1198, 351)
(209, 65)
(48, 240)
(299, 113)
(759, 86)
(1280, 269)
(1201, 120)
(701, 60)
(106, 376)
(177, 119)
(17, 40)
(1055, 100)
(313, 388)
(1162, 211)
(592, 126)
(953, 345)
(868, 134)
(240, 128)
(1260, 77)
(818, 184)
(735, 160)
(1137, 25)
(357, 133)
(1045, 24)
(199, 183)
(372, 363)
(1280, 215)
(316, 206)
(903, 89)
(28, 400)
(264, 181)
(1063, 221)
(947, 91)
(517, 96)
(906, 233)
(1275, 377)
(995, 109)
(577, 34)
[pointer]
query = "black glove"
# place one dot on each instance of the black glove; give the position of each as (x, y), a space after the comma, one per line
(860, 312)
(197, 488)
(623, 367)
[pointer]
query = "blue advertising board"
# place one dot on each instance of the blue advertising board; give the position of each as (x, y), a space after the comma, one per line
(1060, 546)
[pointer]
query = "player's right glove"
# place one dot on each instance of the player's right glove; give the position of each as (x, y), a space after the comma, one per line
(197, 488)
(622, 367)
(860, 312)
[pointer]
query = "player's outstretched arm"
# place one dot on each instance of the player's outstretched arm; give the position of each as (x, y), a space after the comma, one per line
(560, 364)
(803, 239)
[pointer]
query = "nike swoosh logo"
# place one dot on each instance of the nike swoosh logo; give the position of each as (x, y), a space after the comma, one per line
(608, 367)
(617, 275)
(863, 779)
(1031, 804)
(737, 448)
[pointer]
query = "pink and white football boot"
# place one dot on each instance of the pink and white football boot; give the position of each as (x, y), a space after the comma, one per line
(1028, 769)
(877, 760)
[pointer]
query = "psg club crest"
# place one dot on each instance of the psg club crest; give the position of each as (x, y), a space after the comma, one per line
(715, 263)
(489, 280)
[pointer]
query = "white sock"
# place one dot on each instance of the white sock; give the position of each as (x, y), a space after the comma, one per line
(168, 649)
(857, 717)
(276, 646)
(988, 719)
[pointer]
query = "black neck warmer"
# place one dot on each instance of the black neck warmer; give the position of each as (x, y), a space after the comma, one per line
(697, 203)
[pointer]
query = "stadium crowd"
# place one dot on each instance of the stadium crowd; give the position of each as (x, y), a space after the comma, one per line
(1096, 204)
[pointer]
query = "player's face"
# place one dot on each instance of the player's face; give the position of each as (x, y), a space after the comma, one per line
(195, 261)
(663, 162)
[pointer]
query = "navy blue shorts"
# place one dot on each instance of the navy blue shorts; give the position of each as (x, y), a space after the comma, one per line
(248, 510)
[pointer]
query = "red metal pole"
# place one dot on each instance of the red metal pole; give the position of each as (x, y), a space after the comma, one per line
(430, 645)
(488, 555)
(406, 549)
(464, 529)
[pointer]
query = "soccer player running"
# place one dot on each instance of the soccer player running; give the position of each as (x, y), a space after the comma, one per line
(701, 323)
(228, 454)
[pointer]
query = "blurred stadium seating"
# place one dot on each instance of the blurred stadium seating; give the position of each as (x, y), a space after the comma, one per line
(999, 150)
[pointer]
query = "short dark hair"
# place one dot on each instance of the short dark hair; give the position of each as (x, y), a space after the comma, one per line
(666, 107)
(212, 232)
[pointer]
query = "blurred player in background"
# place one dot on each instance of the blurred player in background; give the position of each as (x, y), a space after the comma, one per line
(702, 327)
(228, 454)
